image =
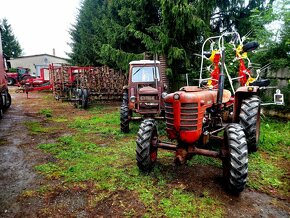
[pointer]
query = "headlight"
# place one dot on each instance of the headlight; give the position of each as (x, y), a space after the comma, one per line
(133, 99)
(176, 96)
(163, 95)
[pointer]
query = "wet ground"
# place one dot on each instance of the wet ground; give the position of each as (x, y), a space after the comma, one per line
(19, 155)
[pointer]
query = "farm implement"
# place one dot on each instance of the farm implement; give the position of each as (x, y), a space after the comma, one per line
(82, 85)
(79, 85)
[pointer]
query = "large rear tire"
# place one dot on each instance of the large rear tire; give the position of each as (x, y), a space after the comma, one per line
(146, 149)
(125, 98)
(2, 105)
(124, 118)
(7, 101)
(235, 164)
(10, 81)
(250, 121)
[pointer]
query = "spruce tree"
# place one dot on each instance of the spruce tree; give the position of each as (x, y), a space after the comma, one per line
(11, 46)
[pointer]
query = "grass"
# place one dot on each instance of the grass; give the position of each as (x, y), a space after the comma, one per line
(35, 127)
(47, 112)
(100, 154)
(111, 166)
(268, 167)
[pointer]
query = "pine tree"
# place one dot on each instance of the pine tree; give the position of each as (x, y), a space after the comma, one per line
(11, 46)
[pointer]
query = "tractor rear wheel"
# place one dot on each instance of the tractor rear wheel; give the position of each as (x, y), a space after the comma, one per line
(250, 120)
(124, 118)
(10, 81)
(235, 164)
(7, 101)
(2, 105)
(125, 98)
(146, 149)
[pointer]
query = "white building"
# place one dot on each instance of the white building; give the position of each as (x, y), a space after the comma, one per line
(35, 62)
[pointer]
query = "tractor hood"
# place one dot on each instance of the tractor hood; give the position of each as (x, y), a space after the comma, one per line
(148, 90)
(191, 89)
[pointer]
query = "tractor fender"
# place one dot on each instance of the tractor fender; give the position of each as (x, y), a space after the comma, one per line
(241, 94)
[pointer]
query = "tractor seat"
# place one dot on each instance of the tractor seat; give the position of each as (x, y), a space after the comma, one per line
(261, 83)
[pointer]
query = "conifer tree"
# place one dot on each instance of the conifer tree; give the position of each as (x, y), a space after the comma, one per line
(11, 46)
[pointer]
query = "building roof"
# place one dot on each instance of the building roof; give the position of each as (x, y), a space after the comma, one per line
(31, 56)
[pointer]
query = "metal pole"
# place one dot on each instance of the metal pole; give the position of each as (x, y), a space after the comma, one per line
(221, 80)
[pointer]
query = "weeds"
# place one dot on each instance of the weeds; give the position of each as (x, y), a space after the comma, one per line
(35, 127)
(46, 112)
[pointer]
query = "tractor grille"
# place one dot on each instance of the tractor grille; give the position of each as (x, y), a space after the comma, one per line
(188, 116)
(169, 115)
(148, 97)
(149, 102)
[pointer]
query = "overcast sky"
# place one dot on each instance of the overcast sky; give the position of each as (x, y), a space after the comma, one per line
(41, 25)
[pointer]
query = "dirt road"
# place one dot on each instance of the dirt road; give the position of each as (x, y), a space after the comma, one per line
(19, 154)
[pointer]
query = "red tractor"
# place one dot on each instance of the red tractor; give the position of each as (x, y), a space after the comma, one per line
(5, 100)
(143, 95)
(21, 74)
(195, 118)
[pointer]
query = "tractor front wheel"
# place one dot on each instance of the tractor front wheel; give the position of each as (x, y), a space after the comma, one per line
(7, 101)
(250, 120)
(235, 162)
(146, 150)
(124, 118)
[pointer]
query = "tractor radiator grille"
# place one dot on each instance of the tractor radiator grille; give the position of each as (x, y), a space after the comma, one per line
(188, 116)
(169, 115)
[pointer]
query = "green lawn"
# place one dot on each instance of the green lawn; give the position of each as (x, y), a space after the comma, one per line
(99, 154)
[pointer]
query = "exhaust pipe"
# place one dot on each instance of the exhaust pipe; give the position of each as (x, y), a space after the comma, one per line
(221, 83)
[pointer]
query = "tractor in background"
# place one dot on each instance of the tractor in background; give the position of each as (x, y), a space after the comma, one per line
(198, 118)
(20, 75)
(143, 96)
